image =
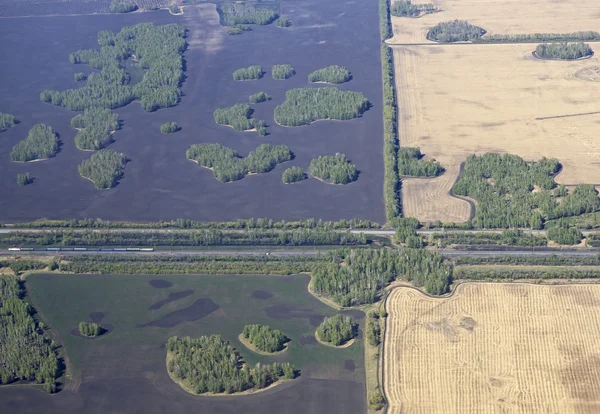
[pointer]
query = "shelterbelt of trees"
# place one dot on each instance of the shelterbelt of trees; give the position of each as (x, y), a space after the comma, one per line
(228, 165)
(41, 143)
(25, 353)
(405, 8)
(158, 49)
(104, 168)
(303, 106)
(209, 364)
(511, 192)
(95, 127)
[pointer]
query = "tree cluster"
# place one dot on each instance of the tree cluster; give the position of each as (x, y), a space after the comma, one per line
(385, 21)
(411, 163)
(104, 168)
(232, 14)
(565, 234)
(331, 74)
(282, 72)
(7, 121)
(337, 330)
(249, 73)
(259, 97)
(511, 192)
(293, 175)
(303, 106)
(23, 179)
(79, 76)
(89, 329)
(563, 51)
(23, 265)
(210, 365)
(238, 29)
(169, 128)
(455, 31)
(334, 169)
(509, 237)
(540, 37)
(264, 338)
(95, 126)
(207, 237)
(122, 6)
(373, 328)
(41, 143)
(239, 118)
(26, 354)
(158, 49)
(283, 22)
(227, 165)
(355, 277)
(406, 231)
(404, 8)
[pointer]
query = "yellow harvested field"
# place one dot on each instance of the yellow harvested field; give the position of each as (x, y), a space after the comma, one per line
(503, 17)
(494, 348)
(457, 100)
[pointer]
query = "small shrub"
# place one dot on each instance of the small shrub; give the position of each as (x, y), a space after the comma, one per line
(293, 175)
(282, 72)
(376, 401)
(23, 179)
(169, 127)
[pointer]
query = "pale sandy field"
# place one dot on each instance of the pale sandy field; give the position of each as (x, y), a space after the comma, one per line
(494, 348)
(457, 100)
(503, 17)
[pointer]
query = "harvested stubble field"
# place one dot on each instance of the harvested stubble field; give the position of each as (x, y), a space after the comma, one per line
(494, 348)
(455, 101)
(503, 17)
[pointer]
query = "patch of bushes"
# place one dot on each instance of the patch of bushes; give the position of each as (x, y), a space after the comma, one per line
(158, 50)
(250, 73)
(293, 175)
(563, 51)
(104, 168)
(210, 365)
(7, 121)
(24, 265)
(411, 163)
(356, 277)
(264, 338)
(283, 22)
(564, 234)
(511, 192)
(331, 74)
(26, 353)
(238, 29)
(376, 400)
(232, 14)
(337, 330)
(122, 6)
(89, 329)
(282, 72)
(455, 31)
(303, 106)
(41, 143)
(404, 8)
(334, 169)
(228, 165)
(169, 128)
(239, 118)
(95, 126)
(79, 76)
(259, 97)
(23, 179)
(373, 328)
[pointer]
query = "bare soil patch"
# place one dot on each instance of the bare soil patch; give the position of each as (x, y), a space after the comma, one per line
(349, 365)
(173, 296)
(198, 310)
(160, 283)
(494, 348)
(262, 294)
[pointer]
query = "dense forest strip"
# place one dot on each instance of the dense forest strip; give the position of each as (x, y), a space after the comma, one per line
(482, 272)
(391, 142)
(550, 260)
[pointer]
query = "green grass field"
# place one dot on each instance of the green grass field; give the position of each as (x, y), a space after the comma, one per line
(64, 300)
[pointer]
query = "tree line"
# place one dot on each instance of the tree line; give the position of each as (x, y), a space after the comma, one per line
(563, 51)
(411, 163)
(95, 126)
(540, 37)
(498, 272)
(549, 260)
(7, 121)
(302, 106)
(405, 8)
(159, 51)
(228, 165)
(509, 237)
(264, 338)
(209, 364)
(373, 328)
(41, 143)
(27, 354)
(334, 169)
(331, 74)
(104, 168)
(208, 237)
(337, 329)
(455, 31)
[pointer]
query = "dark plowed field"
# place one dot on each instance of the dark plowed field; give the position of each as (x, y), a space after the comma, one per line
(159, 183)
